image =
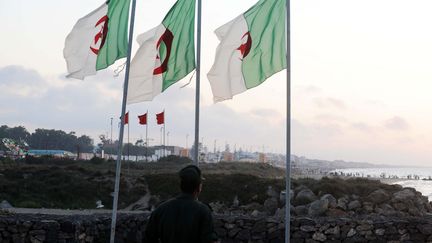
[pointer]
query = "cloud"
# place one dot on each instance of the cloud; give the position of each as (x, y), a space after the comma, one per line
(396, 123)
(330, 103)
(361, 126)
(326, 117)
(265, 113)
(309, 89)
(22, 82)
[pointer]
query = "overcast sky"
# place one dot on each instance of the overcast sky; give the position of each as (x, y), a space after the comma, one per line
(361, 81)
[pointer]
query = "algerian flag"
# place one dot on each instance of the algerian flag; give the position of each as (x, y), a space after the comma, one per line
(166, 54)
(252, 48)
(98, 39)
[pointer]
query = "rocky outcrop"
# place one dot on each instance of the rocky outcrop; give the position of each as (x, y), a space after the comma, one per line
(402, 203)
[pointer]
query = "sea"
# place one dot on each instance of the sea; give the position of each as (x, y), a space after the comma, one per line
(419, 178)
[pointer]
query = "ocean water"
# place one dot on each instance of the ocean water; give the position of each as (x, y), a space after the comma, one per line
(418, 178)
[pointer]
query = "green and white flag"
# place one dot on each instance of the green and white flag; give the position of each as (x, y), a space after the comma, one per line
(252, 48)
(166, 54)
(98, 39)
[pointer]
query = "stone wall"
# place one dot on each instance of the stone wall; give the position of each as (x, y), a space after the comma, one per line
(16, 228)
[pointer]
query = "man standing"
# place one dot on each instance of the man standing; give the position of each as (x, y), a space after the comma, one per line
(183, 219)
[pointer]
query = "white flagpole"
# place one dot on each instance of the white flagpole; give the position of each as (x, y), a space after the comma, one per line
(197, 91)
(123, 110)
(288, 137)
(146, 152)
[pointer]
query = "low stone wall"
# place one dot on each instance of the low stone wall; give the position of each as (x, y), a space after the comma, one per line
(34, 228)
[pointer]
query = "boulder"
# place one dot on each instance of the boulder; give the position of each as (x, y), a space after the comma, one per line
(301, 210)
(331, 200)
(334, 212)
(319, 236)
(342, 203)
(318, 208)
(378, 196)
(354, 205)
(368, 207)
(280, 213)
(405, 194)
(5, 204)
(305, 196)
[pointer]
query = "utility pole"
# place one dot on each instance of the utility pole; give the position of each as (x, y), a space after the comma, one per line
(111, 140)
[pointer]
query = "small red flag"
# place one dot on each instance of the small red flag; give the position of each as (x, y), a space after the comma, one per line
(143, 119)
(160, 118)
(126, 119)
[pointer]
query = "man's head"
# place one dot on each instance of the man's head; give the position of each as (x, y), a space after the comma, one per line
(190, 179)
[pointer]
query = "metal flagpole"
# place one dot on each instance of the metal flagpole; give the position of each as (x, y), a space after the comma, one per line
(164, 148)
(123, 110)
(288, 137)
(146, 153)
(197, 91)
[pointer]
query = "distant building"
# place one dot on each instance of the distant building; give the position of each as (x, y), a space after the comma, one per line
(227, 156)
(184, 152)
(262, 158)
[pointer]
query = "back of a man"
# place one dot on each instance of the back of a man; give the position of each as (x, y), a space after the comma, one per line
(183, 219)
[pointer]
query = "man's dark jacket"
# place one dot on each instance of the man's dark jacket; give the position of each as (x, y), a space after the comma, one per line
(181, 220)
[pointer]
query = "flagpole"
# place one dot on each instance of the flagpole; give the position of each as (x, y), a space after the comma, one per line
(288, 136)
(146, 153)
(164, 153)
(197, 91)
(123, 110)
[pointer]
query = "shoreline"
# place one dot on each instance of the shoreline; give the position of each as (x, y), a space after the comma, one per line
(382, 180)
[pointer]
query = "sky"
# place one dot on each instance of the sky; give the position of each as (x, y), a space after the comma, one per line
(361, 81)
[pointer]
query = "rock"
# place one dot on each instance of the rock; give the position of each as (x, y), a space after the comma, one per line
(254, 206)
(318, 208)
(5, 204)
(217, 206)
(351, 232)
(400, 206)
(414, 212)
(255, 213)
(368, 207)
(280, 213)
(331, 200)
(333, 231)
(405, 194)
(378, 196)
(319, 236)
(364, 227)
(342, 203)
(334, 212)
(380, 232)
(387, 210)
(301, 210)
(243, 235)
(354, 204)
(305, 196)
(270, 205)
(307, 228)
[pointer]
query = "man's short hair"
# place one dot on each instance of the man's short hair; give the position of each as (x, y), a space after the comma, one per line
(190, 178)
